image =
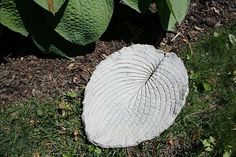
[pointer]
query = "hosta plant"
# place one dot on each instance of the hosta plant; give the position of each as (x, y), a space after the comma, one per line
(63, 27)
(68, 27)
(171, 12)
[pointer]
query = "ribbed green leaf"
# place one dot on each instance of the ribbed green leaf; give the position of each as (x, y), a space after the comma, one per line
(10, 17)
(51, 5)
(138, 5)
(84, 21)
(43, 33)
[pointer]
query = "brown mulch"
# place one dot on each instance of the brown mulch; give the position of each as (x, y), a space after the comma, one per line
(25, 73)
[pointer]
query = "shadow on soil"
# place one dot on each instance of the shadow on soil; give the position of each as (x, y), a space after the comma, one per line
(133, 27)
(15, 45)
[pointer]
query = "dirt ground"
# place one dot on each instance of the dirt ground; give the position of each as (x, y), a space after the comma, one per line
(25, 72)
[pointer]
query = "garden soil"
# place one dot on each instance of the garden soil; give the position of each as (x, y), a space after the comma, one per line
(26, 73)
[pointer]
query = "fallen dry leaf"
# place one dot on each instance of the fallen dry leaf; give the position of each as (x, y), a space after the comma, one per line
(76, 135)
(36, 155)
(71, 66)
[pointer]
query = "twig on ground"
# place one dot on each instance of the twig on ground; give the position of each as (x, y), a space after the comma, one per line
(175, 37)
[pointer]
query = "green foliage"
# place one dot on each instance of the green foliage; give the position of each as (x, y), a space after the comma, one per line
(212, 105)
(71, 94)
(209, 143)
(138, 5)
(84, 21)
(232, 39)
(10, 17)
(47, 128)
(63, 27)
(171, 12)
(67, 27)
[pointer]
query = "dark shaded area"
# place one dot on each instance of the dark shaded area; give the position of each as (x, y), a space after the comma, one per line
(13, 44)
(132, 27)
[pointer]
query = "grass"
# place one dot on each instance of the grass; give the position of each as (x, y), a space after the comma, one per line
(211, 107)
(46, 128)
(205, 127)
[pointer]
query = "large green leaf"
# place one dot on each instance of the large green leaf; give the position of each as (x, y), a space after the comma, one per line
(172, 12)
(178, 8)
(10, 17)
(84, 21)
(51, 5)
(138, 5)
(43, 33)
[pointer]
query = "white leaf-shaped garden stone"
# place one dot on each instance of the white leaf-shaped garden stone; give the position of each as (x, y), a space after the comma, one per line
(133, 96)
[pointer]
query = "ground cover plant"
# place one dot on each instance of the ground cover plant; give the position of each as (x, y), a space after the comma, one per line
(69, 27)
(205, 127)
